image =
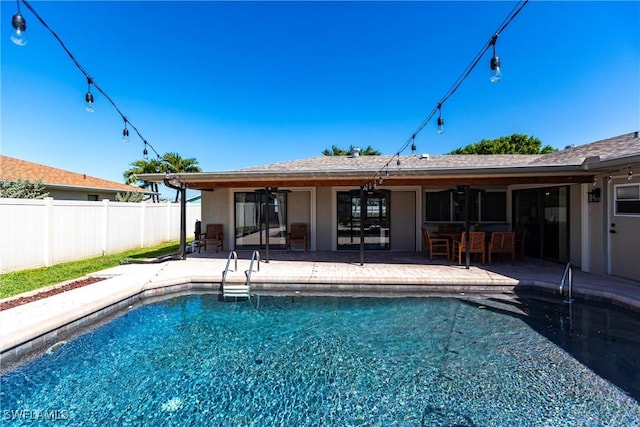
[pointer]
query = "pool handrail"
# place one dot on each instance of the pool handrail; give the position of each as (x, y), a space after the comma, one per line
(567, 277)
(233, 254)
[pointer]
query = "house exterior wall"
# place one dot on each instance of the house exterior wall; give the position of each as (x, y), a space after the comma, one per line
(325, 214)
(622, 231)
(575, 224)
(218, 208)
(403, 220)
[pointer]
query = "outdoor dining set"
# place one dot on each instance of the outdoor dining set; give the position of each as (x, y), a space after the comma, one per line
(453, 245)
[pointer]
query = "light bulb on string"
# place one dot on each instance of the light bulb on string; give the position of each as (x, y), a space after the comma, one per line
(496, 73)
(158, 163)
(19, 25)
(413, 144)
(88, 97)
(440, 120)
(145, 152)
(125, 133)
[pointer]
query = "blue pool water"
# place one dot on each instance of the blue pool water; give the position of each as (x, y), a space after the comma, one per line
(332, 361)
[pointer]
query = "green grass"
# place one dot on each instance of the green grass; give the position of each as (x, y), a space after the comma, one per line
(27, 280)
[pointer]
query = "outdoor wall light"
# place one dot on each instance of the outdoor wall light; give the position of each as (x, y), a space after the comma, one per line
(630, 174)
(89, 106)
(496, 73)
(19, 25)
(609, 179)
(440, 120)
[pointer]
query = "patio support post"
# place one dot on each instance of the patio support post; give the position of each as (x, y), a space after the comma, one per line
(182, 253)
(361, 224)
(466, 227)
(267, 193)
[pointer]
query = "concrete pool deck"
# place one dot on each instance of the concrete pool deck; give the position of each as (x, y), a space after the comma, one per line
(43, 322)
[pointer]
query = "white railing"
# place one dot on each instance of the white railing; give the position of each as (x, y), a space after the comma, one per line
(40, 233)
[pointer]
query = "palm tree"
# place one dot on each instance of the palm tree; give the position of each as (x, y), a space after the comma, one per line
(174, 163)
(144, 166)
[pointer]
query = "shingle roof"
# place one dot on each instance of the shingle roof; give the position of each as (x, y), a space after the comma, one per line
(616, 147)
(610, 148)
(12, 169)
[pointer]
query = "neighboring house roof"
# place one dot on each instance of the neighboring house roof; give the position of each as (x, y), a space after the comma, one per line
(12, 169)
(572, 165)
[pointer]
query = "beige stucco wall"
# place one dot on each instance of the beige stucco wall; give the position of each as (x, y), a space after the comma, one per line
(403, 221)
(299, 207)
(216, 210)
(575, 225)
(323, 219)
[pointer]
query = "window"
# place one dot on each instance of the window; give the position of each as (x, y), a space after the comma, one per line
(438, 206)
(494, 206)
(449, 206)
(627, 200)
(92, 197)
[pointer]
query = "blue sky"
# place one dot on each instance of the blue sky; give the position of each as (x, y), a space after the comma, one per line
(238, 84)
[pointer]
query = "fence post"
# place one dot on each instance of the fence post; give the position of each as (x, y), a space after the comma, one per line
(105, 226)
(169, 221)
(143, 223)
(48, 235)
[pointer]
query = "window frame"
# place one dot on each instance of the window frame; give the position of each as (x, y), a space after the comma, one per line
(616, 200)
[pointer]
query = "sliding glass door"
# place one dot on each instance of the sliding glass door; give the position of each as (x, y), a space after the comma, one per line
(374, 218)
(258, 214)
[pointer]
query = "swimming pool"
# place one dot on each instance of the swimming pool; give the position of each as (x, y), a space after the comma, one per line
(335, 361)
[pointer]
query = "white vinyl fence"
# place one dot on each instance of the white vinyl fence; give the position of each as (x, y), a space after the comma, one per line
(39, 233)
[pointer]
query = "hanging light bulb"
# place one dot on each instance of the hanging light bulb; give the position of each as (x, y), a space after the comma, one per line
(19, 25)
(398, 161)
(440, 120)
(496, 73)
(89, 98)
(413, 144)
(158, 163)
(145, 152)
(125, 133)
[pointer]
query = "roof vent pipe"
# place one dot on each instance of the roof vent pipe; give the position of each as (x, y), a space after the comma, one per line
(355, 152)
(635, 134)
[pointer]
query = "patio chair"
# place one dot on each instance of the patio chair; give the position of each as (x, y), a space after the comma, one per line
(212, 236)
(435, 246)
(476, 245)
(502, 242)
(297, 235)
(521, 233)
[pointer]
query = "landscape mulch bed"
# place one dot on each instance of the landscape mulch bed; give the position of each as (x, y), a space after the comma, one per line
(69, 286)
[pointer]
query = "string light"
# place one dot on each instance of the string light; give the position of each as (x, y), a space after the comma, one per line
(145, 152)
(440, 120)
(125, 132)
(495, 63)
(89, 106)
(517, 8)
(413, 144)
(19, 25)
